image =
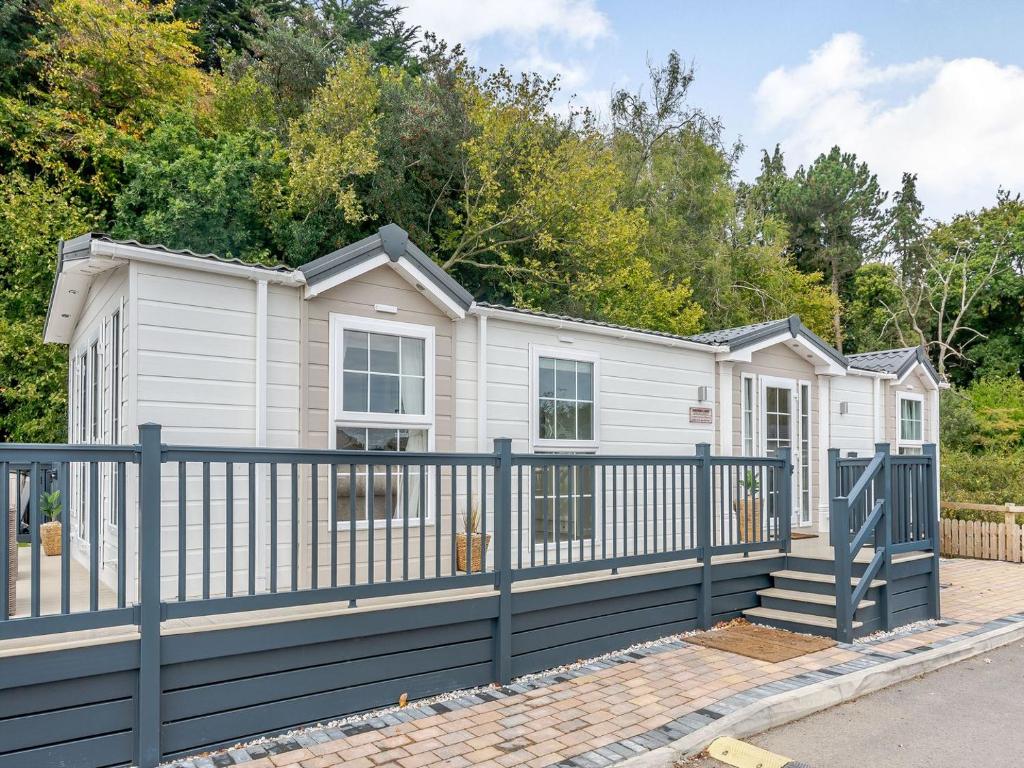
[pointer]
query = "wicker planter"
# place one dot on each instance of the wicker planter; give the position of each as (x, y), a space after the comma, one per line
(50, 535)
(749, 518)
(480, 544)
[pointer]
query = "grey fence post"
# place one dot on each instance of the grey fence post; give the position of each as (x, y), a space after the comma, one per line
(932, 481)
(883, 534)
(148, 726)
(704, 533)
(503, 558)
(786, 503)
(833, 477)
(840, 527)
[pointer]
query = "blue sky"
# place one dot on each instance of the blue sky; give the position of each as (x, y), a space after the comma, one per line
(935, 86)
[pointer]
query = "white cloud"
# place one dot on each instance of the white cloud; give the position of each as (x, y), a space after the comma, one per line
(469, 21)
(959, 124)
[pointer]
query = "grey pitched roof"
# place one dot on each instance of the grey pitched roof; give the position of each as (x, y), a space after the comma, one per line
(393, 241)
(726, 335)
(585, 321)
(895, 361)
(745, 335)
(80, 248)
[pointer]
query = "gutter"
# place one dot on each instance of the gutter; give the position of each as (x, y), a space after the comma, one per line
(134, 253)
(598, 330)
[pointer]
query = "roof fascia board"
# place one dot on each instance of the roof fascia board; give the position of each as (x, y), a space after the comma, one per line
(70, 290)
(929, 381)
(350, 252)
(744, 353)
(136, 253)
(428, 287)
(315, 288)
(584, 327)
(855, 371)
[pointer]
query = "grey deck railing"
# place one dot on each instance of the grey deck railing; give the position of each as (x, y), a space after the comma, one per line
(890, 502)
(238, 529)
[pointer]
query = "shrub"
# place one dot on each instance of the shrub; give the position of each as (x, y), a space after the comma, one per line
(983, 478)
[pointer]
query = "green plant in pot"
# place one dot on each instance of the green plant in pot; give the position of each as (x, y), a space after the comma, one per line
(469, 538)
(748, 507)
(51, 507)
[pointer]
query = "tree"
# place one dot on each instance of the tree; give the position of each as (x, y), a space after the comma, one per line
(960, 263)
(225, 26)
(33, 375)
(834, 212)
(205, 191)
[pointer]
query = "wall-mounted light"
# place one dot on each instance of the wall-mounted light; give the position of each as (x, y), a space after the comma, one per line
(702, 393)
(387, 309)
(567, 339)
(844, 408)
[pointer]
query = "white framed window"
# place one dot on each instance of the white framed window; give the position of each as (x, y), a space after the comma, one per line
(563, 504)
(564, 399)
(748, 387)
(805, 453)
(382, 399)
(910, 423)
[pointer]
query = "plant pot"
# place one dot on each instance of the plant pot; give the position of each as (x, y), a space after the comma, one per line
(50, 535)
(480, 544)
(748, 513)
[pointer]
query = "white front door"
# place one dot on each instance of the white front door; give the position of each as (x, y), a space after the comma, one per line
(785, 423)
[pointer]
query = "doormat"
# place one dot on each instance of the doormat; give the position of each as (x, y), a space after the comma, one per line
(763, 643)
(797, 535)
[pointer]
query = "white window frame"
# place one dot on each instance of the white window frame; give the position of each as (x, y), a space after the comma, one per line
(339, 417)
(561, 353)
(809, 458)
(751, 402)
(900, 442)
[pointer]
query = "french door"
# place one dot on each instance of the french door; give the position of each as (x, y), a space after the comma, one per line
(786, 423)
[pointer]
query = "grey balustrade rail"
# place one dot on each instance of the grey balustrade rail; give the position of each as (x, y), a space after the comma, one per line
(890, 503)
(237, 529)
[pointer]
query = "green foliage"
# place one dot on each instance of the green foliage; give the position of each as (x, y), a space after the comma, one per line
(870, 311)
(982, 478)
(33, 375)
(209, 193)
(50, 505)
(227, 25)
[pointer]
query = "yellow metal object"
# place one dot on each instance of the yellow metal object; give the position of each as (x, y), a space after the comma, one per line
(743, 755)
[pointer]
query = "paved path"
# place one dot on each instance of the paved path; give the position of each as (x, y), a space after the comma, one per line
(965, 714)
(625, 705)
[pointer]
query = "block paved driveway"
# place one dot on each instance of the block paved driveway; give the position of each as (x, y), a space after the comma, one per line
(621, 706)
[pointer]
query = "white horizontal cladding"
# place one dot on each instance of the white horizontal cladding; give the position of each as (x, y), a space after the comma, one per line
(854, 430)
(643, 388)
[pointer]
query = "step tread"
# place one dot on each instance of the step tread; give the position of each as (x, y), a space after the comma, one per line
(795, 618)
(822, 578)
(806, 597)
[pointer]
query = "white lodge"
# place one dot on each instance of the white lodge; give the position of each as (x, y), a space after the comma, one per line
(374, 347)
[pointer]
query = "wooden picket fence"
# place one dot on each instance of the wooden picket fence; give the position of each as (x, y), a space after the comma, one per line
(982, 540)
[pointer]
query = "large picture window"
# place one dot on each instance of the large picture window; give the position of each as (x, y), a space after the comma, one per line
(564, 404)
(382, 375)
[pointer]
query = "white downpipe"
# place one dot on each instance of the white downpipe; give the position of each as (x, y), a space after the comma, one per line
(725, 425)
(262, 521)
(878, 411)
(824, 442)
(481, 383)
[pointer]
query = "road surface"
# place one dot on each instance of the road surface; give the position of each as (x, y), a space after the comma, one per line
(967, 714)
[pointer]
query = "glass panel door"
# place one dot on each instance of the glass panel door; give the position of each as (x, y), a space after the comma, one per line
(781, 422)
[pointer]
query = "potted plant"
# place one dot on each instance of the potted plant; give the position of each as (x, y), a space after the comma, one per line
(470, 524)
(49, 531)
(748, 508)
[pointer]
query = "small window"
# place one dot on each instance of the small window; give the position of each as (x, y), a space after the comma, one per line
(747, 405)
(911, 426)
(115, 378)
(94, 392)
(565, 400)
